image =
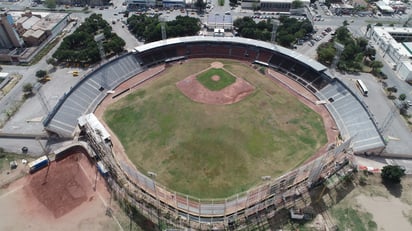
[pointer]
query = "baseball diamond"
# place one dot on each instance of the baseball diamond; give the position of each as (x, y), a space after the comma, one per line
(206, 149)
(343, 115)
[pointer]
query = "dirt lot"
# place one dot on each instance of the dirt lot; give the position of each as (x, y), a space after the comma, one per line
(67, 201)
(368, 206)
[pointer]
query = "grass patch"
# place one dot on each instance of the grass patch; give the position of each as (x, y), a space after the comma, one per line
(225, 79)
(211, 151)
(221, 2)
(45, 51)
(352, 219)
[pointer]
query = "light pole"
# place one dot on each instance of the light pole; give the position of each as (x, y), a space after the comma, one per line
(48, 159)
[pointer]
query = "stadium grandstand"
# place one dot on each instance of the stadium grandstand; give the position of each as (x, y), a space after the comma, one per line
(84, 97)
(155, 201)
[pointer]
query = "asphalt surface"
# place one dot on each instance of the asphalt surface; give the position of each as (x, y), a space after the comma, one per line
(28, 118)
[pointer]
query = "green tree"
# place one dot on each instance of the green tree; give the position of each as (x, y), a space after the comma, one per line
(376, 66)
(291, 29)
(296, 4)
(28, 89)
(391, 90)
(200, 5)
(41, 73)
(149, 29)
(392, 173)
(343, 35)
(78, 47)
(326, 53)
(285, 39)
(362, 43)
(402, 97)
(51, 4)
(370, 51)
(233, 2)
(51, 61)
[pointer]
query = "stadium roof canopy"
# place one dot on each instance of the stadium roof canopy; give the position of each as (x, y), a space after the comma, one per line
(250, 42)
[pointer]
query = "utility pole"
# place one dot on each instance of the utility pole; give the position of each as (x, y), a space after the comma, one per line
(45, 152)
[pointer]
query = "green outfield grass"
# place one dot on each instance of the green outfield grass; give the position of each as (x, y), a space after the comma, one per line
(214, 151)
(206, 79)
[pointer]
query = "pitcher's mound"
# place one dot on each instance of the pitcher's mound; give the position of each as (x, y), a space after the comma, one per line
(233, 93)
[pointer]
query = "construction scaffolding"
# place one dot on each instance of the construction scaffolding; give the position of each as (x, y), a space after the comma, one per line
(250, 208)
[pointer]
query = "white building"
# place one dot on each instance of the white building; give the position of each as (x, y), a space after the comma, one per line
(100, 131)
(394, 44)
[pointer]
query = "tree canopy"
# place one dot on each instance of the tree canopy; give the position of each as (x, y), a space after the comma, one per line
(392, 173)
(326, 53)
(292, 29)
(297, 4)
(28, 89)
(289, 30)
(41, 73)
(81, 46)
(353, 55)
(148, 28)
(200, 5)
(248, 28)
(51, 4)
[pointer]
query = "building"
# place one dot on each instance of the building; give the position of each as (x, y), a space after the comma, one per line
(9, 38)
(82, 3)
(250, 4)
(405, 71)
(25, 33)
(140, 4)
(390, 7)
(339, 8)
(174, 3)
(271, 5)
(396, 45)
(218, 21)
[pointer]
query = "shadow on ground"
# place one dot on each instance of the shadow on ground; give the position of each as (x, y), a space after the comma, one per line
(393, 188)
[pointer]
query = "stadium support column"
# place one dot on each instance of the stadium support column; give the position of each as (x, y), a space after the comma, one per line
(163, 28)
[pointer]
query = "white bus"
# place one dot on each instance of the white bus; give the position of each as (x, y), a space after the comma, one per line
(362, 87)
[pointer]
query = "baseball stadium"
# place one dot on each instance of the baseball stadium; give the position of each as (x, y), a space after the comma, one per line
(214, 132)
